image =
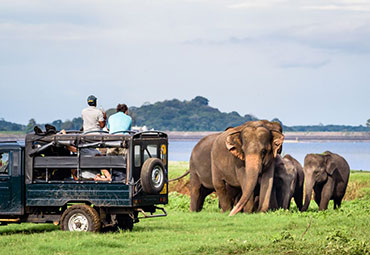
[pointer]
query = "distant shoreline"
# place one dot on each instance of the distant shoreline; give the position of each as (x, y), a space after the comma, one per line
(289, 136)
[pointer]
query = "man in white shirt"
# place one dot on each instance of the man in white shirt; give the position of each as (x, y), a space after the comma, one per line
(93, 119)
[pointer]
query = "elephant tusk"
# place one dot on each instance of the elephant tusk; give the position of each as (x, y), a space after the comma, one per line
(235, 210)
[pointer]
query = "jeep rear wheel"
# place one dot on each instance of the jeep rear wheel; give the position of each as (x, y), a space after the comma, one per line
(152, 176)
(80, 218)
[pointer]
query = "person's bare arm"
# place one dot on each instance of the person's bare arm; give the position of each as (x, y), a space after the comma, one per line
(107, 176)
(72, 148)
(102, 123)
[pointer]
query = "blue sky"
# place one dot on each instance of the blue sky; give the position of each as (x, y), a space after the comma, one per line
(305, 62)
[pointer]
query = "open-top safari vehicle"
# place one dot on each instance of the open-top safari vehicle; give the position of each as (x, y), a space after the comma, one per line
(41, 180)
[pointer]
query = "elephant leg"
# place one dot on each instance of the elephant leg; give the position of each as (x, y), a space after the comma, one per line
(298, 197)
(249, 207)
(196, 202)
(265, 188)
(337, 202)
(222, 194)
(317, 195)
(233, 194)
(273, 200)
(326, 194)
(256, 203)
(286, 196)
(203, 193)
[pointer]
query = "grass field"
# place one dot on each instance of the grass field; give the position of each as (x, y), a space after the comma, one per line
(343, 231)
(5, 133)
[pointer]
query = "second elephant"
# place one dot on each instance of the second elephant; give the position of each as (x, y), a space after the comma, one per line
(327, 174)
(288, 183)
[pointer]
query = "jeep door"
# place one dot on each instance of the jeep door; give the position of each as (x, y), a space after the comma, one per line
(5, 182)
(10, 182)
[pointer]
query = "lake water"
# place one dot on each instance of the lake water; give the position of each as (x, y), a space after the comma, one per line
(357, 154)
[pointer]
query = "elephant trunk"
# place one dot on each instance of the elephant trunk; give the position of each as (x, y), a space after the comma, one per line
(253, 167)
(286, 198)
(308, 194)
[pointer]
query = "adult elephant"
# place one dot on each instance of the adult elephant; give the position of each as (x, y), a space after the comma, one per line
(327, 174)
(288, 183)
(201, 184)
(239, 156)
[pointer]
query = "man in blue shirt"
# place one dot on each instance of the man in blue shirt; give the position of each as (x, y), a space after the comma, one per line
(119, 121)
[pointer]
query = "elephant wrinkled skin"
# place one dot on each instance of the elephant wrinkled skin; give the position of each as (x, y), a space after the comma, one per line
(239, 156)
(200, 169)
(327, 174)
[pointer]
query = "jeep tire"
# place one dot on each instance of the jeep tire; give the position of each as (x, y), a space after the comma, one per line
(152, 176)
(80, 218)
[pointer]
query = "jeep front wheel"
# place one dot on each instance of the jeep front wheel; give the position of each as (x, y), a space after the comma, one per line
(80, 218)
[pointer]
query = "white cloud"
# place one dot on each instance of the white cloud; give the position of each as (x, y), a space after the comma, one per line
(256, 4)
(361, 8)
(339, 5)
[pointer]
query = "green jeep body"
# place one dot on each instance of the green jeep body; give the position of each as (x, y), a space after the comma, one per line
(37, 185)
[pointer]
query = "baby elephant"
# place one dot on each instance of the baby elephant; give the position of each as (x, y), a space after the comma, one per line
(288, 183)
(327, 174)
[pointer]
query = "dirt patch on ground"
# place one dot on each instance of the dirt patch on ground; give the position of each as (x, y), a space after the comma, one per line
(355, 190)
(181, 186)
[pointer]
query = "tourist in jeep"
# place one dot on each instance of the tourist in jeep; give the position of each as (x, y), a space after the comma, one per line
(119, 121)
(93, 119)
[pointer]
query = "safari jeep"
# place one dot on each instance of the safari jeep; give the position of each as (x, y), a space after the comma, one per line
(41, 180)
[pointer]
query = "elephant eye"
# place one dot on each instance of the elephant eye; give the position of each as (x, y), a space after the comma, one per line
(263, 152)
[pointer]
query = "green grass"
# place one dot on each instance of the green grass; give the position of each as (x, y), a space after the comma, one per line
(12, 132)
(343, 231)
(177, 168)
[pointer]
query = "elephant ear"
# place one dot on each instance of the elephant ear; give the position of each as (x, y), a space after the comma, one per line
(234, 145)
(277, 142)
(330, 165)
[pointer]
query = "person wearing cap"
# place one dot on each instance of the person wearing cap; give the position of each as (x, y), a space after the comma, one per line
(93, 119)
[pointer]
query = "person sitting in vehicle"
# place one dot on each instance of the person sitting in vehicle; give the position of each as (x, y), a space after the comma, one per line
(119, 121)
(93, 174)
(4, 161)
(89, 174)
(93, 119)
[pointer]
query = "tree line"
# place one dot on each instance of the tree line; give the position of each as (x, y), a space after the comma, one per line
(176, 115)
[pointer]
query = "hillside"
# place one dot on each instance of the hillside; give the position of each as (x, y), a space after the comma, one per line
(193, 115)
(176, 115)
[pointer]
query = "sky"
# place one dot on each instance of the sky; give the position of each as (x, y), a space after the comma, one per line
(304, 62)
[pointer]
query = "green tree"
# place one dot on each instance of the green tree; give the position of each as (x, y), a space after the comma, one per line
(67, 125)
(31, 124)
(200, 100)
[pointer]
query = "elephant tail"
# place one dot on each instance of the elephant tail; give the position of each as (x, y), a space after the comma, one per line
(178, 178)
